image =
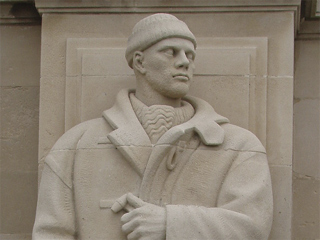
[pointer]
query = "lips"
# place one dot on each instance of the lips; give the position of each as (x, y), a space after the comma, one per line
(181, 76)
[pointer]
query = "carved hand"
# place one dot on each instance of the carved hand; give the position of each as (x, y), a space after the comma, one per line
(143, 220)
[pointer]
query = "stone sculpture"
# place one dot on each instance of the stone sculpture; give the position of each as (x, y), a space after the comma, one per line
(158, 164)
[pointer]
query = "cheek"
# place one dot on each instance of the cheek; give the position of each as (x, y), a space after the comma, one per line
(192, 67)
(156, 67)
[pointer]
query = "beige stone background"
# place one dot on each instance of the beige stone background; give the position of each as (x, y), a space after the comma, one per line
(269, 62)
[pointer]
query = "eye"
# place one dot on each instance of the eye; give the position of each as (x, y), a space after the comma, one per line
(169, 51)
(190, 56)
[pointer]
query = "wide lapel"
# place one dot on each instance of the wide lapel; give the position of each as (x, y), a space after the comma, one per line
(129, 136)
(205, 122)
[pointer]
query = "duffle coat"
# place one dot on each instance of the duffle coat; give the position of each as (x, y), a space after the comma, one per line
(211, 176)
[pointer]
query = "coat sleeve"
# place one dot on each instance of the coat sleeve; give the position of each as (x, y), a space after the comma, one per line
(55, 217)
(244, 206)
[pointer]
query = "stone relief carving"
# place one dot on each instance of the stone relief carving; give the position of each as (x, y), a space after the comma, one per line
(158, 164)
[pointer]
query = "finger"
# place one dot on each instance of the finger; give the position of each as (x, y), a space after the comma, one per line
(128, 208)
(119, 204)
(129, 226)
(127, 217)
(135, 201)
(134, 235)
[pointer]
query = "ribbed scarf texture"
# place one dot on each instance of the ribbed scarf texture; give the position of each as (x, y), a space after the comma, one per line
(157, 119)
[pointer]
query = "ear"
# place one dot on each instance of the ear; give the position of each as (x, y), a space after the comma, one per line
(137, 62)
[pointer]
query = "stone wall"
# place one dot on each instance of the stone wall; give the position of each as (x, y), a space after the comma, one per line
(19, 116)
(306, 157)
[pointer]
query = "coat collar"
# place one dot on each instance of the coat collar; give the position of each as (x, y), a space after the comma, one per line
(128, 130)
(133, 142)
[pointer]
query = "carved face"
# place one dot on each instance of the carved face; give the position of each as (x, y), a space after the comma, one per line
(169, 66)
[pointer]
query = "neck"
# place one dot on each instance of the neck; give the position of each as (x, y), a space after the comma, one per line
(149, 97)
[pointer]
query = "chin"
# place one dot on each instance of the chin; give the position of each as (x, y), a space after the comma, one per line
(177, 92)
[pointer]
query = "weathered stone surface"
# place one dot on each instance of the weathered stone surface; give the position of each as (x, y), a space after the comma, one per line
(280, 120)
(19, 151)
(53, 115)
(306, 207)
(19, 118)
(19, 128)
(18, 201)
(20, 63)
(281, 177)
(307, 55)
(307, 139)
(306, 161)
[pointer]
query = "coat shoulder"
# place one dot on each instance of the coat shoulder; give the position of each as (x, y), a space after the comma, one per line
(61, 157)
(70, 139)
(241, 139)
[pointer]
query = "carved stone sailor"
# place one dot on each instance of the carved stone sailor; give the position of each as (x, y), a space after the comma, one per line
(158, 164)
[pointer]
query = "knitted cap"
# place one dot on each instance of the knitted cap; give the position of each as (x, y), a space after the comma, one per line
(153, 29)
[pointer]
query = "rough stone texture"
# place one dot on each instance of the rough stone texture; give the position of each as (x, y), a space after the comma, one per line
(19, 125)
(306, 207)
(281, 175)
(18, 61)
(306, 161)
(306, 140)
(19, 97)
(279, 147)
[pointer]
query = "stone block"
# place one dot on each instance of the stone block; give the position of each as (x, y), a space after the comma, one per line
(307, 72)
(19, 108)
(19, 128)
(279, 120)
(308, 27)
(18, 196)
(20, 63)
(281, 177)
(15, 236)
(306, 207)
(20, 154)
(306, 159)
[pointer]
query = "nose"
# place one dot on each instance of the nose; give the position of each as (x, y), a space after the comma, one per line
(181, 60)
